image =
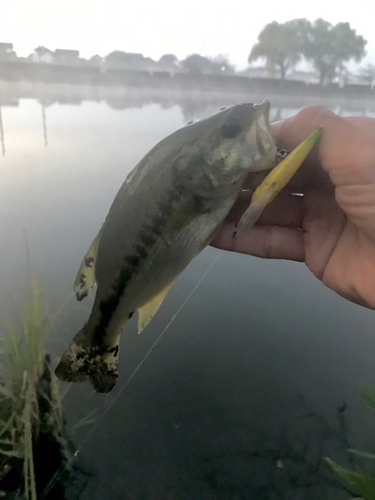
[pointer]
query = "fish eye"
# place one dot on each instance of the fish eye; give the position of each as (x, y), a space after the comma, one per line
(230, 129)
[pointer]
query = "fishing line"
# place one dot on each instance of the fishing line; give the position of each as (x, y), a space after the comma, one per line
(99, 420)
(146, 356)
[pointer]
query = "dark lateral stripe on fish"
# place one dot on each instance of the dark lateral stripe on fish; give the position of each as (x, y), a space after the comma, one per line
(133, 261)
(141, 251)
(109, 306)
(148, 237)
(158, 220)
(172, 196)
(167, 208)
(198, 205)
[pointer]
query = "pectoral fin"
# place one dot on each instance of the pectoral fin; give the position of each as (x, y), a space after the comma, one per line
(275, 181)
(86, 279)
(146, 312)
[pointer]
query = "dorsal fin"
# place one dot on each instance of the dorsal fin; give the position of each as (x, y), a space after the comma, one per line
(147, 311)
(86, 279)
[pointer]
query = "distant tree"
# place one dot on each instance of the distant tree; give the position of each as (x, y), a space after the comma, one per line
(6, 52)
(42, 54)
(281, 45)
(169, 59)
(369, 74)
(196, 63)
(96, 60)
(41, 51)
(118, 58)
(221, 64)
(328, 47)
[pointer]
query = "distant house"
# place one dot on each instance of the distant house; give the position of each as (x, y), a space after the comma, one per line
(6, 47)
(303, 76)
(6, 52)
(65, 56)
(42, 55)
(358, 79)
(259, 72)
(264, 72)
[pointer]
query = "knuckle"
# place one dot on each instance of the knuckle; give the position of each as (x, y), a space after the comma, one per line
(314, 114)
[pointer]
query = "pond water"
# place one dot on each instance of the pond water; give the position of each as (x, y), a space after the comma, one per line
(251, 385)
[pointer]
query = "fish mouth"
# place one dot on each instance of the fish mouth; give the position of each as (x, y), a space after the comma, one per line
(264, 140)
(259, 135)
(255, 179)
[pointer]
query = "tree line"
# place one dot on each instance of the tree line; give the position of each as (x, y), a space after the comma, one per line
(280, 47)
(327, 47)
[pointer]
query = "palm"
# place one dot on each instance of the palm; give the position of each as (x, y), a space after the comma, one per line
(337, 250)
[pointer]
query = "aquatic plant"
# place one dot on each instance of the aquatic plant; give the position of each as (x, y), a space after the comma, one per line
(29, 395)
(358, 481)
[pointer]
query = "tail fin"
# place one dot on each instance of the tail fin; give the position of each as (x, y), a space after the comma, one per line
(82, 360)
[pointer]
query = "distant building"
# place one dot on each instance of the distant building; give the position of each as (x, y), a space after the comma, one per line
(6, 52)
(6, 47)
(347, 78)
(64, 56)
(259, 72)
(303, 76)
(298, 75)
(358, 79)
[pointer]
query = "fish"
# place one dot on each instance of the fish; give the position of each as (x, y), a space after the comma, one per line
(169, 208)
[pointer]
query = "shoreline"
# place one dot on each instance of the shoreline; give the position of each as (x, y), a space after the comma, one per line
(127, 97)
(118, 82)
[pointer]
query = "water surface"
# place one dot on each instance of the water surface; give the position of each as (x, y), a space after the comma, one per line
(256, 379)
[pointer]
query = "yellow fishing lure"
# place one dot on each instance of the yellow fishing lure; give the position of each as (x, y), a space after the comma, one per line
(275, 181)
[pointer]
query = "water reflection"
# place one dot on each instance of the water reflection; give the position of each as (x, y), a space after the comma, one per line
(2, 133)
(212, 412)
(44, 121)
(194, 104)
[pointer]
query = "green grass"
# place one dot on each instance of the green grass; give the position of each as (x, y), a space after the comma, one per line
(358, 481)
(22, 364)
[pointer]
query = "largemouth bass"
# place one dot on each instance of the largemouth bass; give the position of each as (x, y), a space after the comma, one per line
(168, 210)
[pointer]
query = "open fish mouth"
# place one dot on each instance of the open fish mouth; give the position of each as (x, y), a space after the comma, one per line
(274, 181)
(253, 181)
(260, 135)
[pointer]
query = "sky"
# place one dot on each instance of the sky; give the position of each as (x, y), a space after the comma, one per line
(156, 27)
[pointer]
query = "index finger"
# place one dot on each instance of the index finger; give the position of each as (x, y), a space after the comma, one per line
(346, 150)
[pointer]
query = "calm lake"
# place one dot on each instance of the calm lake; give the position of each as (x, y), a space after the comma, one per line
(254, 382)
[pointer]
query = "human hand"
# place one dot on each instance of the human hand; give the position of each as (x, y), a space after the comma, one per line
(332, 226)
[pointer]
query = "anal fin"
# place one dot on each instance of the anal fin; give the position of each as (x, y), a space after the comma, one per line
(86, 279)
(148, 311)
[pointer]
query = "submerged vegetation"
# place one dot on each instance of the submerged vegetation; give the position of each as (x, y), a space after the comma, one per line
(360, 482)
(31, 418)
